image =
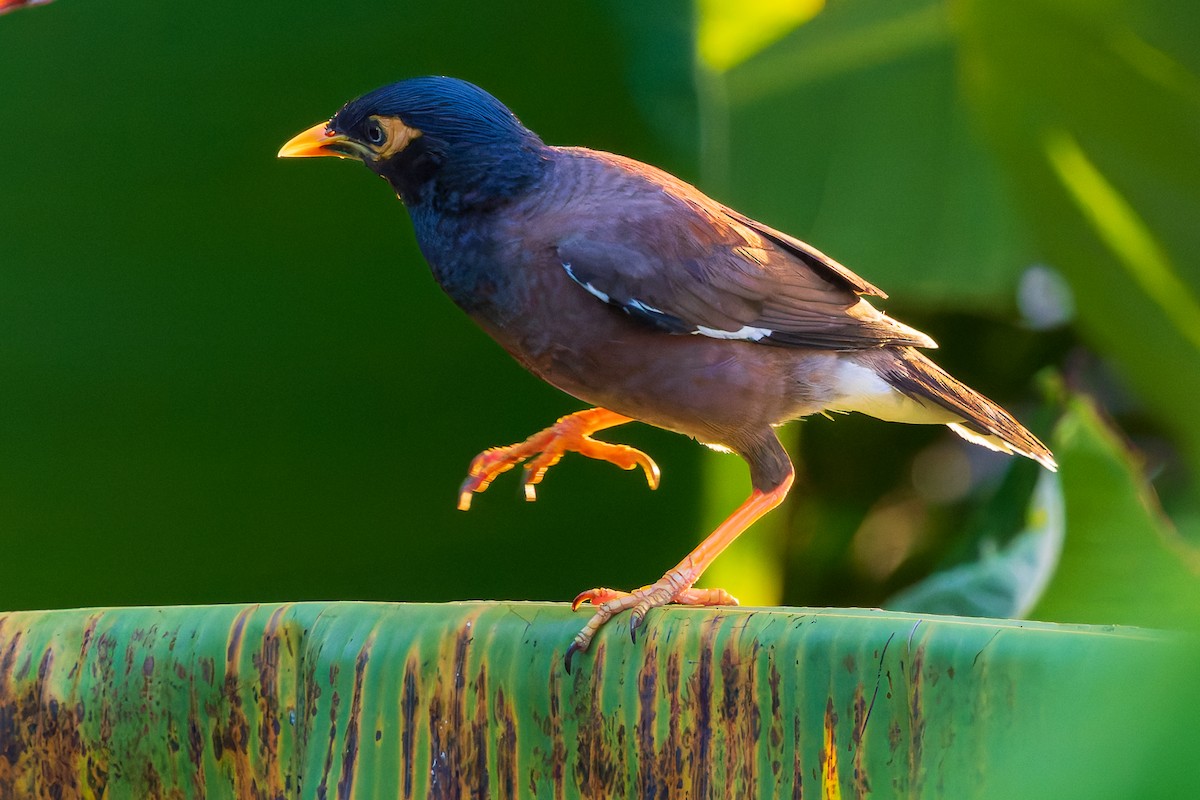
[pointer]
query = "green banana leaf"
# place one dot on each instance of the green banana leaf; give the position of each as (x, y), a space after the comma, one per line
(350, 700)
(1003, 581)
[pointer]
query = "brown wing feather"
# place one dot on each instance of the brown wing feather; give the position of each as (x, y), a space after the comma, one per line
(811, 256)
(665, 252)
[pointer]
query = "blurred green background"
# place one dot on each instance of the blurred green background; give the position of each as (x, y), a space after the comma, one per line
(228, 378)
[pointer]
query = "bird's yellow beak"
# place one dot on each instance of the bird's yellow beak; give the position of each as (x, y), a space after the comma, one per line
(319, 140)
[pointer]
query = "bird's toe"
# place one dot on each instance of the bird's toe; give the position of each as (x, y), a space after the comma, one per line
(596, 597)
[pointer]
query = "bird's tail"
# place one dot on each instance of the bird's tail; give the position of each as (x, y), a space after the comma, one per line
(980, 420)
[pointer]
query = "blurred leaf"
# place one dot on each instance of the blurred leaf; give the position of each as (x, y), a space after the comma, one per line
(1006, 581)
(730, 31)
(1124, 233)
(848, 132)
(1123, 562)
(660, 62)
(1094, 108)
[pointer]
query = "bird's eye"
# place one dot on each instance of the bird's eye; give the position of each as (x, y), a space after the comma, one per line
(375, 133)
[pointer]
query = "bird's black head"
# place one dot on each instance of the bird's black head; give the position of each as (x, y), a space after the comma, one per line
(438, 141)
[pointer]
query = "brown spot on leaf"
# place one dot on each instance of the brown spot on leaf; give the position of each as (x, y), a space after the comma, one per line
(459, 739)
(862, 785)
(409, 695)
(353, 725)
(600, 769)
(507, 764)
(916, 719)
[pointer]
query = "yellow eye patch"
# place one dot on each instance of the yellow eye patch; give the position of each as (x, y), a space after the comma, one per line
(397, 136)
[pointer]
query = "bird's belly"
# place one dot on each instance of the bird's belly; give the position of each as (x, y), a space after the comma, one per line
(710, 389)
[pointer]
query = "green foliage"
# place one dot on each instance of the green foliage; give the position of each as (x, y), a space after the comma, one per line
(1004, 580)
(1124, 562)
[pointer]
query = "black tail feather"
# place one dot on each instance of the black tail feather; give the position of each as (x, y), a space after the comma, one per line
(982, 421)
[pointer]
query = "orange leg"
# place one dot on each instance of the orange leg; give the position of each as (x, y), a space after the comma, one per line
(676, 585)
(544, 449)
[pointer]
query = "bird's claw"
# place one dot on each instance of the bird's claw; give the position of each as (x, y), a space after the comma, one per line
(545, 449)
(571, 651)
(596, 597)
(483, 470)
(671, 588)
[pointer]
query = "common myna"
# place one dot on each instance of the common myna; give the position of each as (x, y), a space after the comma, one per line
(639, 295)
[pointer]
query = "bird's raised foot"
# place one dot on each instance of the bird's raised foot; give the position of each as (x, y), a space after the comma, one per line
(546, 448)
(671, 588)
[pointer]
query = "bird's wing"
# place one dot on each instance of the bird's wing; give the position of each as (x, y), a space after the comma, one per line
(673, 258)
(820, 263)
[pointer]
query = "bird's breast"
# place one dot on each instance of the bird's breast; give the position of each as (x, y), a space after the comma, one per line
(463, 256)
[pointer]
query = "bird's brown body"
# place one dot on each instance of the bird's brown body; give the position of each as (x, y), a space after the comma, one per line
(729, 393)
(638, 294)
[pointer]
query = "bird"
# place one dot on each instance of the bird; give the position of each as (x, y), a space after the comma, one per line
(639, 295)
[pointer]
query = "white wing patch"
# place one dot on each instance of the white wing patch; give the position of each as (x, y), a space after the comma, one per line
(591, 289)
(645, 308)
(747, 332)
